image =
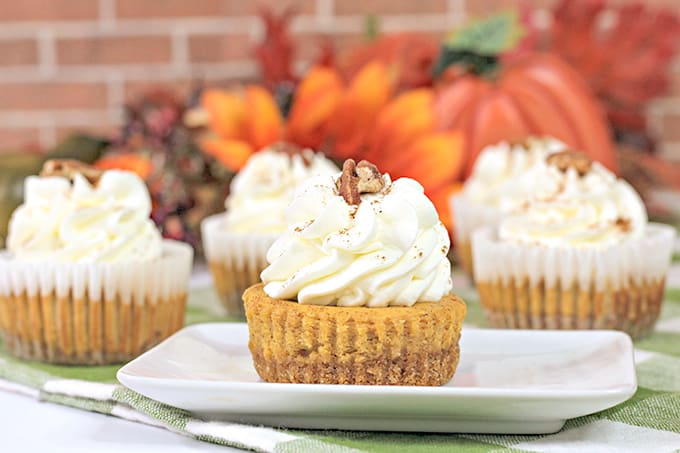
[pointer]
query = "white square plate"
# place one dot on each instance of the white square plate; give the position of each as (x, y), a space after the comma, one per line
(508, 381)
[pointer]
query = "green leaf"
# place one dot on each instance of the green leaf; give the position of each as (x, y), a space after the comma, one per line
(488, 36)
(471, 62)
(371, 28)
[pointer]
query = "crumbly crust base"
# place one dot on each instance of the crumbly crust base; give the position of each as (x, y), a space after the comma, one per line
(312, 344)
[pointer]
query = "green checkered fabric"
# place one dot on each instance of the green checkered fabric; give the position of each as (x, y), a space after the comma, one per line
(648, 421)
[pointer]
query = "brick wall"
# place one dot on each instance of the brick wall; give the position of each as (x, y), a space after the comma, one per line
(68, 65)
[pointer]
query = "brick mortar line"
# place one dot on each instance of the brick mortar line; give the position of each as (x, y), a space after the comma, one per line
(439, 22)
(107, 14)
(664, 106)
(66, 117)
(670, 151)
(179, 51)
(47, 133)
(47, 53)
(115, 91)
(324, 12)
(355, 23)
(95, 73)
(204, 25)
(134, 27)
(456, 10)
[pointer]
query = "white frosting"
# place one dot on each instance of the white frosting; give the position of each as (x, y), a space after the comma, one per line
(569, 210)
(495, 180)
(390, 250)
(61, 221)
(261, 191)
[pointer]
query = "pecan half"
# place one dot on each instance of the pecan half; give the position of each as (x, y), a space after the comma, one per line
(68, 168)
(370, 179)
(565, 160)
(357, 179)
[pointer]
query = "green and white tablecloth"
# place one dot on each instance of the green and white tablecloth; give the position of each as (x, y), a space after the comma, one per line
(650, 421)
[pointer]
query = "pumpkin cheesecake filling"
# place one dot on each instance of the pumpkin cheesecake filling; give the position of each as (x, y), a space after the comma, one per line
(358, 289)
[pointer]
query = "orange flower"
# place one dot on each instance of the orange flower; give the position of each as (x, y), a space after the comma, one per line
(358, 109)
(240, 124)
(136, 163)
(316, 99)
(403, 139)
(360, 119)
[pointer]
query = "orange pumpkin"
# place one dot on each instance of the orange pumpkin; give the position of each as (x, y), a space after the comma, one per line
(536, 94)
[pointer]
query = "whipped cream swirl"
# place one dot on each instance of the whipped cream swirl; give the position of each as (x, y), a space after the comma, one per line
(64, 221)
(572, 208)
(261, 191)
(390, 249)
(494, 181)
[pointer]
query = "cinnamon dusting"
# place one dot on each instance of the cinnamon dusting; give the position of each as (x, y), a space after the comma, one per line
(623, 224)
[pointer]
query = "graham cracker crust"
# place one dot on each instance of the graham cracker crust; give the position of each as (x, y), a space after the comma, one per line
(633, 309)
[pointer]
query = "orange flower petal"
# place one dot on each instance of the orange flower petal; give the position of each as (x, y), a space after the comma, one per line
(358, 109)
(233, 154)
(141, 165)
(441, 199)
(315, 100)
(226, 113)
(433, 160)
(264, 124)
(400, 123)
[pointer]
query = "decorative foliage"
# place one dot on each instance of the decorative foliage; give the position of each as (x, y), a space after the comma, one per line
(488, 36)
(184, 185)
(491, 99)
(360, 118)
(625, 64)
(241, 122)
(136, 163)
(411, 104)
(276, 51)
(411, 55)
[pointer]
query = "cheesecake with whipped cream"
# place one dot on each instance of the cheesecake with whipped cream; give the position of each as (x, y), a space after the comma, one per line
(237, 240)
(579, 254)
(358, 287)
(87, 277)
(496, 188)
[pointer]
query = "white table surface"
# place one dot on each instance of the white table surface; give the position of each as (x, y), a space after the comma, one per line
(31, 426)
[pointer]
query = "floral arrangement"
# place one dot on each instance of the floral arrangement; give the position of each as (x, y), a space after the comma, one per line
(415, 106)
(156, 144)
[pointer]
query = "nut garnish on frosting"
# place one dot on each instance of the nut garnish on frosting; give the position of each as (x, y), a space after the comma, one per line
(567, 159)
(68, 168)
(496, 180)
(356, 179)
(73, 212)
(575, 203)
(359, 239)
